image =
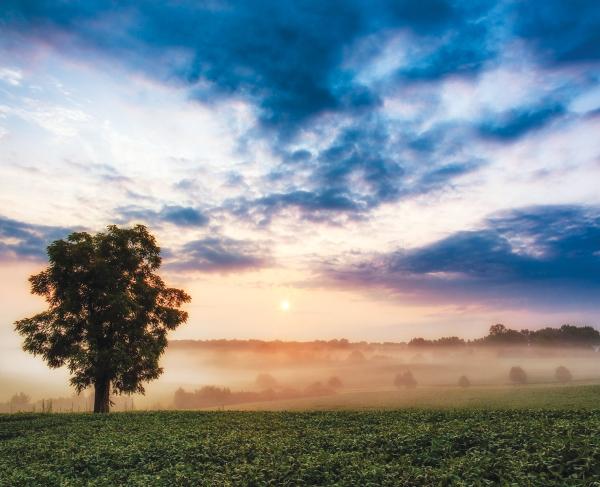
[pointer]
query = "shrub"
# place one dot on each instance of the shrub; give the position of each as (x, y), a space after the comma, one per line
(562, 374)
(517, 375)
(356, 356)
(464, 381)
(405, 379)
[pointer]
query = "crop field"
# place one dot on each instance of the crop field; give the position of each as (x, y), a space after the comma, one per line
(490, 397)
(468, 446)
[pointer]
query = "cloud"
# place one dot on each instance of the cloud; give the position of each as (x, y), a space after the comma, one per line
(13, 77)
(181, 216)
(516, 123)
(219, 254)
(307, 71)
(545, 256)
(563, 32)
(20, 240)
(368, 163)
(286, 57)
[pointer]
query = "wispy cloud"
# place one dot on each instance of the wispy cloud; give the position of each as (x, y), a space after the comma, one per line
(540, 256)
(219, 254)
(21, 240)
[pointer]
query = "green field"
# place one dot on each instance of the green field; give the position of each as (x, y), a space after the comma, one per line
(555, 443)
(442, 397)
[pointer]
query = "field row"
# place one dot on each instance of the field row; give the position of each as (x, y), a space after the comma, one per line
(404, 447)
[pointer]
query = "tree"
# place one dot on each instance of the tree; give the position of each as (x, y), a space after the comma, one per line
(108, 311)
(517, 375)
(356, 356)
(405, 379)
(562, 374)
(464, 381)
(20, 400)
(334, 382)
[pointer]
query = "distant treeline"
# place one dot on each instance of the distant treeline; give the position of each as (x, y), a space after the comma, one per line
(213, 396)
(565, 336)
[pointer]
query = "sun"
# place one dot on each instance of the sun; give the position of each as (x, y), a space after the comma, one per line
(284, 305)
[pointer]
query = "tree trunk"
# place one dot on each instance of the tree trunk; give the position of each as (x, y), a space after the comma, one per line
(102, 396)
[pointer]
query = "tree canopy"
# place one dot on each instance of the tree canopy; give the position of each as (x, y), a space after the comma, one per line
(108, 311)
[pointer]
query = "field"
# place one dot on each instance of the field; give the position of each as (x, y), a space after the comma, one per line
(441, 397)
(557, 442)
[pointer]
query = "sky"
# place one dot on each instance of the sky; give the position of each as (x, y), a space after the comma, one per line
(373, 170)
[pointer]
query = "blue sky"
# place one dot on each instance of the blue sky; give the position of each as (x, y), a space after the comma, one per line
(390, 168)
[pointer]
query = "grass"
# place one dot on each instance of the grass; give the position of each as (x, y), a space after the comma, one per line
(493, 397)
(555, 442)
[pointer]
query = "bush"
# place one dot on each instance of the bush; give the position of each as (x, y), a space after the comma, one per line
(464, 381)
(334, 382)
(562, 374)
(517, 375)
(356, 356)
(405, 379)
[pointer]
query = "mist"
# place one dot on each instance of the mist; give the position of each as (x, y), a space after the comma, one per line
(254, 374)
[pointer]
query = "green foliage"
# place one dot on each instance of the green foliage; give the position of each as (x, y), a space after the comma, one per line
(562, 374)
(378, 448)
(566, 335)
(517, 375)
(108, 311)
(405, 379)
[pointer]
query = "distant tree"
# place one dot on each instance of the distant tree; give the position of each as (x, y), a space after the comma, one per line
(497, 330)
(334, 382)
(109, 312)
(266, 381)
(20, 399)
(356, 356)
(452, 341)
(500, 335)
(517, 375)
(464, 381)
(562, 374)
(405, 379)
(566, 335)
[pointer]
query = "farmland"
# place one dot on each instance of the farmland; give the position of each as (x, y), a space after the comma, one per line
(554, 444)
(532, 396)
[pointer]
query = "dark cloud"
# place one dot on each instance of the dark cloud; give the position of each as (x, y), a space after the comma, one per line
(182, 216)
(287, 57)
(219, 254)
(22, 240)
(517, 123)
(541, 255)
(301, 65)
(368, 164)
(563, 31)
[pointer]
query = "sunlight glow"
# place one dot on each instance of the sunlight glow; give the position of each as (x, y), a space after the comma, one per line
(284, 305)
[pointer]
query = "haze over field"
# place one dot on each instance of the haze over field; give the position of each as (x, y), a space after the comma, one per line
(339, 373)
(374, 171)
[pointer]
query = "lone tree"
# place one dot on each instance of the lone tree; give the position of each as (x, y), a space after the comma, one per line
(108, 311)
(562, 374)
(405, 379)
(335, 382)
(517, 375)
(464, 381)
